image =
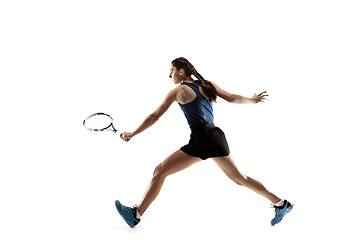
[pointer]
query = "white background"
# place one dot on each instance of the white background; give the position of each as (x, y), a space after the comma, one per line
(63, 60)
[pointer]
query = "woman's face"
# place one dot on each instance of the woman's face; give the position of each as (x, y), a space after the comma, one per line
(175, 75)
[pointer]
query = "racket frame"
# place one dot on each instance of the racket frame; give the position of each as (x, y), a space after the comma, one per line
(114, 130)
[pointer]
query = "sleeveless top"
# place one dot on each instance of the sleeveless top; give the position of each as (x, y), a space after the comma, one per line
(200, 110)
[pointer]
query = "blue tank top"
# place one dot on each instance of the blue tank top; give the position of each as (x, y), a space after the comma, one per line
(200, 110)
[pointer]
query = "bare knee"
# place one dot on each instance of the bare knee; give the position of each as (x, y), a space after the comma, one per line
(241, 180)
(159, 172)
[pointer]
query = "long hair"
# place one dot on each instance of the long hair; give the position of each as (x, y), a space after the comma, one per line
(183, 63)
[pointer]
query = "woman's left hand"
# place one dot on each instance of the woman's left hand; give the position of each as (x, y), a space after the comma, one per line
(259, 97)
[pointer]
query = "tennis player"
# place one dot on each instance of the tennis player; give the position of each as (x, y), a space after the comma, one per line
(195, 98)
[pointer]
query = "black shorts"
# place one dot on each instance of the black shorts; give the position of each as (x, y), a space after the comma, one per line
(207, 143)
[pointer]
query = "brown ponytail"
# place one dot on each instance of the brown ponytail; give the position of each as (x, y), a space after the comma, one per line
(209, 89)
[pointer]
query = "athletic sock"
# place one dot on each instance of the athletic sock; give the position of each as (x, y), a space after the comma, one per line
(137, 214)
(286, 203)
(280, 204)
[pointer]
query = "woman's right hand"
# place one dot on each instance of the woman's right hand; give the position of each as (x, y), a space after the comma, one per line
(126, 136)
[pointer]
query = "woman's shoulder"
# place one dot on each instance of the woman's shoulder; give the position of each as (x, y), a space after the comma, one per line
(180, 90)
(184, 93)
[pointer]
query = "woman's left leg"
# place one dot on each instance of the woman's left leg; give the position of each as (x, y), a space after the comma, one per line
(227, 164)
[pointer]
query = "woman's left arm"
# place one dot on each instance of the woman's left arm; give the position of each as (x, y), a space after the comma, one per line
(153, 117)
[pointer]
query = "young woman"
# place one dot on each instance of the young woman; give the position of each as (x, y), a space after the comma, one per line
(195, 98)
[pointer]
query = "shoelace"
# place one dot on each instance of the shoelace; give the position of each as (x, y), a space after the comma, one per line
(278, 212)
(130, 208)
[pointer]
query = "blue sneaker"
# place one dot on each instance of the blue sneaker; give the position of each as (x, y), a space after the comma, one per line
(128, 213)
(280, 212)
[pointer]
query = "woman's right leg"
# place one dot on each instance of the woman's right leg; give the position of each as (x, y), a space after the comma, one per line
(174, 163)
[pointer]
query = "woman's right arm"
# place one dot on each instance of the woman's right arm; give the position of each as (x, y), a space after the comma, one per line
(234, 98)
(171, 97)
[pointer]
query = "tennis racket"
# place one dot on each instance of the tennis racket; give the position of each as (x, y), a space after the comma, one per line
(99, 122)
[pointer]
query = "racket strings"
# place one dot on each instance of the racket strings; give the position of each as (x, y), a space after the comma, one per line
(98, 122)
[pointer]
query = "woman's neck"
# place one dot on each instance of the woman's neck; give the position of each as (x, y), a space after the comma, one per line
(188, 80)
